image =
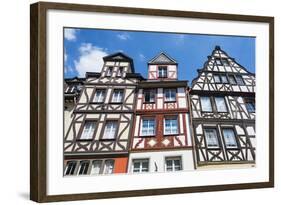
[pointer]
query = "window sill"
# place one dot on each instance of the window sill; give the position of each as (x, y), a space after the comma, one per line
(96, 103)
(171, 135)
(148, 102)
(146, 136)
(172, 101)
(107, 139)
(84, 140)
(116, 102)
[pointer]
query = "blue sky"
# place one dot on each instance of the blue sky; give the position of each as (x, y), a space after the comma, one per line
(84, 49)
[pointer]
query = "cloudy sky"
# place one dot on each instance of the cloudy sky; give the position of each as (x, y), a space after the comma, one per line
(84, 49)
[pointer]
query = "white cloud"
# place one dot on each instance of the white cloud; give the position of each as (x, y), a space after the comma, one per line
(123, 36)
(70, 34)
(90, 60)
(142, 57)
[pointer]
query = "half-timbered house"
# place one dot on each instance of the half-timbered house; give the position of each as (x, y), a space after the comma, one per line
(97, 141)
(222, 101)
(161, 139)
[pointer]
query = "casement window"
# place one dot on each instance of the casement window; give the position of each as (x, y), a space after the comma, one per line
(229, 137)
(211, 137)
(70, 89)
(102, 166)
(170, 125)
(109, 71)
(149, 96)
(250, 104)
(140, 165)
(173, 164)
(108, 166)
(99, 96)
(239, 80)
(218, 61)
(217, 79)
(162, 71)
(120, 71)
(110, 130)
(220, 104)
(148, 127)
(232, 79)
(96, 167)
(83, 167)
(88, 130)
(117, 96)
(224, 61)
(170, 95)
(206, 104)
(70, 168)
(224, 79)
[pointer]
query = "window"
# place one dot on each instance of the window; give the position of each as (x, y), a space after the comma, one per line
(211, 137)
(218, 61)
(220, 104)
(217, 78)
(149, 96)
(148, 127)
(108, 166)
(109, 71)
(173, 164)
(99, 96)
(117, 96)
(140, 165)
(110, 130)
(229, 138)
(239, 80)
(170, 95)
(206, 104)
(83, 167)
(162, 71)
(224, 61)
(96, 167)
(250, 104)
(224, 79)
(232, 79)
(120, 71)
(171, 125)
(88, 130)
(70, 167)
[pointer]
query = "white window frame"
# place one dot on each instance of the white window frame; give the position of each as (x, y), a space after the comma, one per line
(203, 108)
(148, 128)
(67, 166)
(151, 92)
(120, 71)
(141, 161)
(217, 145)
(241, 81)
(170, 124)
(109, 71)
(113, 131)
(120, 95)
(173, 159)
(88, 134)
(234, 138)
(161, 69)
(106, 168)
(99, 98)
(225, 105)
(170, 91)
(100, 168)
(217, 78)
(80, 167)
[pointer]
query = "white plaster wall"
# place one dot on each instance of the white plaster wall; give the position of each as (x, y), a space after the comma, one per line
(158, 157)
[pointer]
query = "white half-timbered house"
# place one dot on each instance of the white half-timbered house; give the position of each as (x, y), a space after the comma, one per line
(222, 101)
(161, 139)
(97, 141)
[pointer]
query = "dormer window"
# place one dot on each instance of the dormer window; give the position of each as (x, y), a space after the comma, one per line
(120, 71)
(109, 71)
(162, 71)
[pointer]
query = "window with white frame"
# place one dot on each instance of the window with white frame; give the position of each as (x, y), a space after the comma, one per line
(99, 96)
(96, 167)
(224, 61)
(110, 130)
(217, 78)
(117, 96)
(83, 167)
(70, 167)
(108, 166)
(229, 138)
(149, 96)
(173, 164)
(206, 104)
(109, 71)
(232, 79)
(239, 80)
(120, 71)
(171, 125)
(88, 130)
(148, 127)
(140, 165)
(211, 137)
(162, 71)
(224, 79)
(250, 104)
(170, 94)
(220, 104)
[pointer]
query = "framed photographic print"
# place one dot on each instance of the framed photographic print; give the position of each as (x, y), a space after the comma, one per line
(122, 98)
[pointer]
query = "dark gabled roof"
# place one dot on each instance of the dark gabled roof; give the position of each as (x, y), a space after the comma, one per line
(74, 79)
(128, 75)
(93, 74)
(119, 56)
(162, 59)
